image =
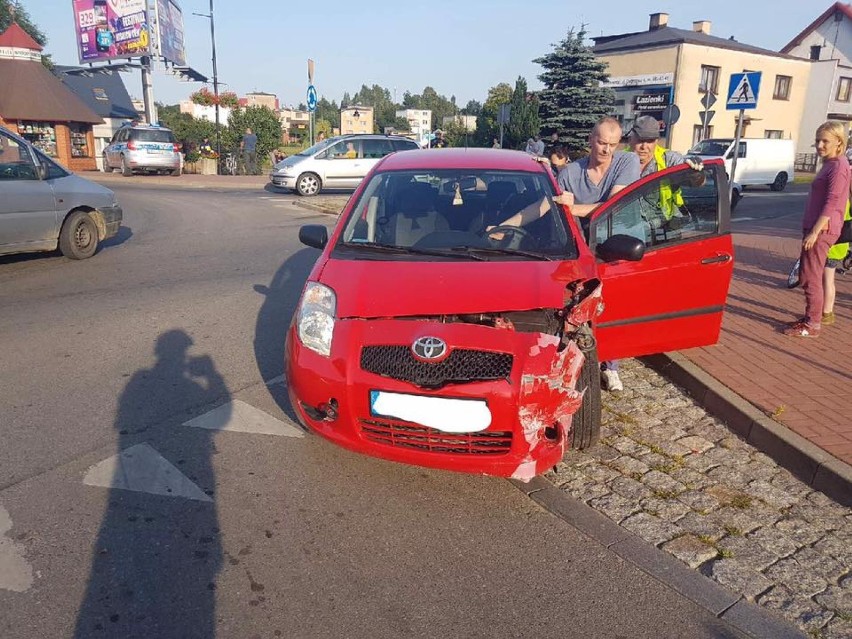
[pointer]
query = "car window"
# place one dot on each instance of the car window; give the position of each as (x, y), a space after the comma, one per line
(54, 171)
(675, 208)
(153, 135)
(375, 148)
(16, 162)
(345, 150)
(404, 145)
(458, 209)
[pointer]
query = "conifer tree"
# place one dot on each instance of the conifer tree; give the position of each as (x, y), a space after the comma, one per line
(573, 99)
(523, 118)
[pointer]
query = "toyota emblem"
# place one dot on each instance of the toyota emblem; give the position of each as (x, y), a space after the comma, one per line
(429, 348)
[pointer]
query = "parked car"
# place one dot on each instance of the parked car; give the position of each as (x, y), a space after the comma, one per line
(759, 161)
(146, 148)
(44, 206)
(340, 162)
(432, 332)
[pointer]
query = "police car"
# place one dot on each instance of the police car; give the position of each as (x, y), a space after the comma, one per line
(142, 147)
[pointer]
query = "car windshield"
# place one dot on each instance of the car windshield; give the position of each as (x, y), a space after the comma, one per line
(319, 146)
(153, 135)
(463, 214)
(711, 147)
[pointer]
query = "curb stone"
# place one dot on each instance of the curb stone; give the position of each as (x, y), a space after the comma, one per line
(746, 617)
(808, 462)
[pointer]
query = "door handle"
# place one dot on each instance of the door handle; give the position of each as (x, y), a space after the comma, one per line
(717, 259)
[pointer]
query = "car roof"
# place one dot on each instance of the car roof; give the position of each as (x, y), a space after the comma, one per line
(461, 158)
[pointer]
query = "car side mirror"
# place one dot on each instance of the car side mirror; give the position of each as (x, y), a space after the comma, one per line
(41, 171)
(621, 247)
(314, 235)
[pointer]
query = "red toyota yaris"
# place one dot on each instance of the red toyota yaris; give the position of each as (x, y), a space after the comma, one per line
(457, 315)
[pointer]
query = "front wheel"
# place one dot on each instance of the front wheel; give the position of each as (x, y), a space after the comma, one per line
(586, 423)
(308, 184)
(780, 182)
(78, 238)
(107, 167)
(126, 171)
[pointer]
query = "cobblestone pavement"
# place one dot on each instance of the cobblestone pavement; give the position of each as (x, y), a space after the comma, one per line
(678, 478)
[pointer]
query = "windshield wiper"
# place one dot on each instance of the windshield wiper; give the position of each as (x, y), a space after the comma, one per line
(386, 248)
(506, 251)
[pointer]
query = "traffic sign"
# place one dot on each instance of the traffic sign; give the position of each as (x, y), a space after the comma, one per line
(708, 100)
(743, 90)
(312, 98)
(671, 114)
(706, 117)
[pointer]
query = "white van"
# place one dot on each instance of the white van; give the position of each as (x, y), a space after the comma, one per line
(760, 160)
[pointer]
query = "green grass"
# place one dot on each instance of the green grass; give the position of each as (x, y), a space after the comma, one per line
(733, 531)
(740, 501)
(665, 494)
(804, 178)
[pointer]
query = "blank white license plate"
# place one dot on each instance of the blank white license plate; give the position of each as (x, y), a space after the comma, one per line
(446, 414)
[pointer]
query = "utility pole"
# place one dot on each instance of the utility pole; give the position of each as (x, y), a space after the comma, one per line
(148, 91)
(215, 81)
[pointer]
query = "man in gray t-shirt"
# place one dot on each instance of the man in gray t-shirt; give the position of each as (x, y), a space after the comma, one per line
(593, 179)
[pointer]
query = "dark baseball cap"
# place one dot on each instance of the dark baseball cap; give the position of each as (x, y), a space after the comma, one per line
(645, 128)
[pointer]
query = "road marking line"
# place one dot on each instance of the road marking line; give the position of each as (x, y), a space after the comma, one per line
(239, 417)
(276, 380)
(142, 469)
(16, 574)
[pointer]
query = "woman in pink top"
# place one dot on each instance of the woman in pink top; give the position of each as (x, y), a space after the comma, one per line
(822, 222)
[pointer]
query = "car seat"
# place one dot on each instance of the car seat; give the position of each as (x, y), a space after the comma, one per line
(496, 197)
(415, 216)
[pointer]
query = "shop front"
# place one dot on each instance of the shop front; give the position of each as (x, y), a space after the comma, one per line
(638, 95)
(36, 105)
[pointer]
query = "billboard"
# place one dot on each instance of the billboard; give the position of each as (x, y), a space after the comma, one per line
(108, 29)
(170, 30)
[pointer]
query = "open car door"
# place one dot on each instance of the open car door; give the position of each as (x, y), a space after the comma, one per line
(673, 298)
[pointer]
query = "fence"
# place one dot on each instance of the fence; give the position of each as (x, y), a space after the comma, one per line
(806, 162)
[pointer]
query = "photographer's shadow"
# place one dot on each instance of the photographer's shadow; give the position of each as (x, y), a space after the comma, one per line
(158, 552)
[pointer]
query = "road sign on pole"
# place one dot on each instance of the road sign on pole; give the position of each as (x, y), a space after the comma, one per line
(709, 99)
(743, 90)
(312, 98)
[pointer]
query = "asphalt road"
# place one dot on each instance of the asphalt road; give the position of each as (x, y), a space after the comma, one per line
(203, 532)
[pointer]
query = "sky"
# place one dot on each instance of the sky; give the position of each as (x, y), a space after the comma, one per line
(459, 47)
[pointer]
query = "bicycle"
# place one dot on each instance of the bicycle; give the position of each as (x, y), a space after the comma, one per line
(230, 164)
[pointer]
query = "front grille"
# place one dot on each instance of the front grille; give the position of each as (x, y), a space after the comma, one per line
(462, 365)
(436, 441)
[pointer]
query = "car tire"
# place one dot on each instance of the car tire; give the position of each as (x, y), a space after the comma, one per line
(176, 173)
(586, 429)
(126, 171)
(107, 167)
(735, 198)
(308, 184)
(780, 182)
(78, 238)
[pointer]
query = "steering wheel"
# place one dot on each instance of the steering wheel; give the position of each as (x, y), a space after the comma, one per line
(516, 235)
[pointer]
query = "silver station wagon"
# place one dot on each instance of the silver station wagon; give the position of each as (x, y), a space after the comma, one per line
(143, 148)
(43, 206)
(340, 162)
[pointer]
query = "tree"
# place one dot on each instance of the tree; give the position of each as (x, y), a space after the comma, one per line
(487, 127)
(328, 111)
(187, 129)
(473, 107)
(12, 11)
(573, 99)
(262, 121)
(524, 119)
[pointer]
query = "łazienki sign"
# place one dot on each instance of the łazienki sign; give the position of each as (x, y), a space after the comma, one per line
(16, 53)
(639, 80)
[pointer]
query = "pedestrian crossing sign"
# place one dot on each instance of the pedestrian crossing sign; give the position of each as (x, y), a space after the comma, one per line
(742, 90)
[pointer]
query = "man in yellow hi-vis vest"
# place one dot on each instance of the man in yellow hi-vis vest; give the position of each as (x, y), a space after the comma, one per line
(643, 139)
(837, 258)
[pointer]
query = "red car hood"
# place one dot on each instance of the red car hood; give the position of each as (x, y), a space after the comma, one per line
(393, 289)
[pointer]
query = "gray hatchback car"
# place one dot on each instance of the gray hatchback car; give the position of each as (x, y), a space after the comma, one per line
(146, 148)
(44, 206)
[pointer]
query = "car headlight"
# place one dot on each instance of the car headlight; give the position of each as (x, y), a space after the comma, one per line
(283, 170)
(315, 320)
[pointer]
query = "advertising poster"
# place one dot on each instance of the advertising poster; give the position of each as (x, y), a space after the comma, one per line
(108, 29)
(170, 28)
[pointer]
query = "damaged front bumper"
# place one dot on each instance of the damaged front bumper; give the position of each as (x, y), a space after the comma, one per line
(528, 404)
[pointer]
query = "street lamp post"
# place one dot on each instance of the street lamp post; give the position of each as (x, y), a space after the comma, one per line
(215, 74)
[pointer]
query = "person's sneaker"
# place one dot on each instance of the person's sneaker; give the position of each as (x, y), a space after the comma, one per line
(828, 318)
(611, 381)
(801, 329)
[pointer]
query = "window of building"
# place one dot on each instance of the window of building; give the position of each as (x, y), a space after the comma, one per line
(773, 134)
(79, 141)
(782, 87)
(697, 131)
(815, 51)
(843, 88)
(709, 79)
